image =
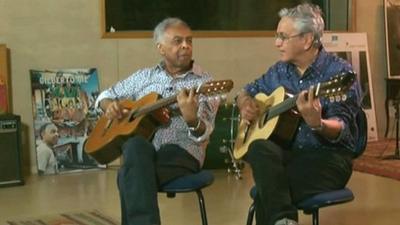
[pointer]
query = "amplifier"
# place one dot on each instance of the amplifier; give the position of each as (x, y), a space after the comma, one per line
(10, 150)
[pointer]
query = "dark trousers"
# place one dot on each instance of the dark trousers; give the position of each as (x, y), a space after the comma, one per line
(144, 170)
(283, 178)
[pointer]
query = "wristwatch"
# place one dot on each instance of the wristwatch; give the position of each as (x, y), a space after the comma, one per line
(196, 127)
(319, 128)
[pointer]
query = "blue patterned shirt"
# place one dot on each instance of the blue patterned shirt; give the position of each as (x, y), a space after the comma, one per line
(324, 67)
(157, 79)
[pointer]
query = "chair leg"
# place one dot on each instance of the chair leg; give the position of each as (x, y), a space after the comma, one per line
(202, 207)
(315, 217)
(250, 214)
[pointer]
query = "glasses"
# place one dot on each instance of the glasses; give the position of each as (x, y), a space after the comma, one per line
(284, 37)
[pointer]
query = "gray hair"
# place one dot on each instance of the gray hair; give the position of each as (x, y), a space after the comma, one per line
(160, 29)
(307, 19)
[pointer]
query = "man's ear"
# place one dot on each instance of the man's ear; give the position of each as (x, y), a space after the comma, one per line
(309, 41)
(160, 49)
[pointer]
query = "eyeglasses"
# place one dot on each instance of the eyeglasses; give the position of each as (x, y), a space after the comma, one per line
(284, 37)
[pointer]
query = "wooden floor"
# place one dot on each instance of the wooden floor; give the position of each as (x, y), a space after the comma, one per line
(227, 200)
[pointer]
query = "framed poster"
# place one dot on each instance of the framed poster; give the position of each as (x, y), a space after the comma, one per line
(5, 87)
(392, 29)
(64, 114)
(353, 47)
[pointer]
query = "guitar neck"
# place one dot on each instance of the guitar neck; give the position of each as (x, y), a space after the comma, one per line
(157, 105)
(282, 107)
(289, 103)
(211, 87)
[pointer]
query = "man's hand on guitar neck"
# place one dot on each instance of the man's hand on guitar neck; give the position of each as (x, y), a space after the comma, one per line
(310, 109)
(248, 107)
(188, 105)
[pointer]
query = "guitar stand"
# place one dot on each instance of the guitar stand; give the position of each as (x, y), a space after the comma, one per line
(396, 104)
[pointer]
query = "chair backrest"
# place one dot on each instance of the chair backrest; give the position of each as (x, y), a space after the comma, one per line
(361, 143)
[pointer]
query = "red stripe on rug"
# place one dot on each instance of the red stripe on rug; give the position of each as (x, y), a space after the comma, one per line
(374, 160)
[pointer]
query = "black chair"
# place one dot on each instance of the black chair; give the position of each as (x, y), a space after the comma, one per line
(314, 203)
(191, 183)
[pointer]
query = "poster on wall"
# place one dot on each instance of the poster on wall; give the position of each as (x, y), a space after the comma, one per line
(4, 80)
(392, 28)
(353, 47)
(64, 114)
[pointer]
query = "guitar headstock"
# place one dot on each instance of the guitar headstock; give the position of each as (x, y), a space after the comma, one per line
(335, 89)
(215, 87)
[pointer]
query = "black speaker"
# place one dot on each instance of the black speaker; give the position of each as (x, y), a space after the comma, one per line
(10, 150)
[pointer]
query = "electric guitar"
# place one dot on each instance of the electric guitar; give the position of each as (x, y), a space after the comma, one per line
(106, 139)
(274, 105)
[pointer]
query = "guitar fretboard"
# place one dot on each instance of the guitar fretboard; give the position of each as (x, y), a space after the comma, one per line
(157, 105)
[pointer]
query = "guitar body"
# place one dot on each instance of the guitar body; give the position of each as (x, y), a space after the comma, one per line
(105, 141)
(261, 128)
(278, 121)
(286, 128)
(145, 115)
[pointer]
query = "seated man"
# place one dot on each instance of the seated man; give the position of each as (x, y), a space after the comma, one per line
(177, 148)
(319, 158)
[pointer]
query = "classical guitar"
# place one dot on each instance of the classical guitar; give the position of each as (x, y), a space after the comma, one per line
(105, 141)
(274, 105)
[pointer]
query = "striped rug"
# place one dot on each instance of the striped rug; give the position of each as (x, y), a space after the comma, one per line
(375, 159)
(93, 217)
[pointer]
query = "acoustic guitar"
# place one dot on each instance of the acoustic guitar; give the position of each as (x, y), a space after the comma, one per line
(274, 105)
(106, 139)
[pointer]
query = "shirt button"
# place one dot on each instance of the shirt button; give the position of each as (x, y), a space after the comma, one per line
(301, 81)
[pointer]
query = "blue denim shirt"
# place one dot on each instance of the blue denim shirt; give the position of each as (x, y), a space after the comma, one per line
(324, 67)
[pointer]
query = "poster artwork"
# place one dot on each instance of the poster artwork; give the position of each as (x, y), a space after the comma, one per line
(4, 80)
(64, 114)
(392, 25)
(353, 47)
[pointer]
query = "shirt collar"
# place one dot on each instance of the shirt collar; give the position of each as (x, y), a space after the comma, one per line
(317, 66)
(194, 70)
(319, 62)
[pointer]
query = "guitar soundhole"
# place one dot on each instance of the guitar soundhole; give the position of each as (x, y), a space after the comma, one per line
(132, 116)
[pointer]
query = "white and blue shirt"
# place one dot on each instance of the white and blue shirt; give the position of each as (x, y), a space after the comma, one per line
(157, 79)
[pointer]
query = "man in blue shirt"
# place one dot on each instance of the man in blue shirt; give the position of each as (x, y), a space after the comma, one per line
(318, 157)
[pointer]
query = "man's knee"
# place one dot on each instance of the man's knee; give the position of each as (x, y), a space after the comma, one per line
(261, 148)
(137, 147)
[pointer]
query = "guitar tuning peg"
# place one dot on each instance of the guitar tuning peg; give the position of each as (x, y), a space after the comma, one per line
(331, 99)
(337, 98)
(344, 97)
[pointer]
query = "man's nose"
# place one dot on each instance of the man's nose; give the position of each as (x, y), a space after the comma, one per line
(185, 44)
(278, 42)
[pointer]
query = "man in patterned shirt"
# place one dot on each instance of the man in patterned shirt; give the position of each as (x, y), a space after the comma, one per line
(177, 148)
(318, 158)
